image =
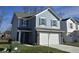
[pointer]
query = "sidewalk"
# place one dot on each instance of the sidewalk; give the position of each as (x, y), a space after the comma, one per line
(67, 48)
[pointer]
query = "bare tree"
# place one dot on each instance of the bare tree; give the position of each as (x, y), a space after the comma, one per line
(33, 9)
(26, 9)
(2, 15)
(0, 20)
(61, 14)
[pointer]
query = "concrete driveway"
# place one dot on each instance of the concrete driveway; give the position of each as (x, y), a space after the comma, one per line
(67, 48)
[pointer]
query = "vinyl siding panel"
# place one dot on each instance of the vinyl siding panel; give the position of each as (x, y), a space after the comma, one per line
(68, 26)
(49, 16)
(63, 25)
(14, 27)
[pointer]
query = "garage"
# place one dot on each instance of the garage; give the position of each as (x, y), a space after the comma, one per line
(43, 38)
(53, 38)
(49, 38)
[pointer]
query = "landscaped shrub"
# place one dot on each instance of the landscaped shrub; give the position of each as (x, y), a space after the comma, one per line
(1, 49)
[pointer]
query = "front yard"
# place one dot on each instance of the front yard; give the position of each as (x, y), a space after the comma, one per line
(34, 49)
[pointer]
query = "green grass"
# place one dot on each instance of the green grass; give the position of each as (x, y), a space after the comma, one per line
(39, 49)
(34, 49)
(73, 44)
(4, 45)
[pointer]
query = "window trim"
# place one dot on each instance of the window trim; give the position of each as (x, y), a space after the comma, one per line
(24, 22)
(18, 23)
(43, 23)
(54, 23)
(71, 25)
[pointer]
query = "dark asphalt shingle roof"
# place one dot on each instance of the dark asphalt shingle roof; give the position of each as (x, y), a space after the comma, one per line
(24, 14)
(31, 14)
(76, 20)
(65, 19)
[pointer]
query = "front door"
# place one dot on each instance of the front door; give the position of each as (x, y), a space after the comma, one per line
(24, 37)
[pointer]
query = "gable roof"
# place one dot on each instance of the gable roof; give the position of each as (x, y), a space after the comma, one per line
(77, 20)
(51, 11)
(54, 13)
(27, 14)
(24, 14)
(73, 19)
(65, 19)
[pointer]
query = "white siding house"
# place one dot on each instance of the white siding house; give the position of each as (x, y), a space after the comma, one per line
(70, 26)
(78, 26)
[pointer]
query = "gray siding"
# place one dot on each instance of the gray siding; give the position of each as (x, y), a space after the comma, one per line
(14, 27)
(49, 16)
(63, 25)
(33, 22)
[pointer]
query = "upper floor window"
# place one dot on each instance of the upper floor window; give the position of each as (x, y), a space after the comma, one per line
(24, 22)
(42, 21)
(71, 25)
(77, 27)
(53, 22)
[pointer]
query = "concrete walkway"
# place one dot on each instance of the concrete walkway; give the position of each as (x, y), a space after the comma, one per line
(66, 48)
(28, 45)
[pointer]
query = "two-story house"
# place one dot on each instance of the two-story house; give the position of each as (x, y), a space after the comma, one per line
(38, 28)
(71, 28)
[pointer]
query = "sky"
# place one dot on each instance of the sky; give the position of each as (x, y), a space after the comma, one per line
(62, 11)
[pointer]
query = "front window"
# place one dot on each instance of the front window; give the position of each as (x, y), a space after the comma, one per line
(53, 22)
(71, 25)
(42, 21)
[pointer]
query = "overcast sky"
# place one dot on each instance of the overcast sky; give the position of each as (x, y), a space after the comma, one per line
(62, 11)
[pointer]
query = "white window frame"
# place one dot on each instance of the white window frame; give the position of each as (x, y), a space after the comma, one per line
(71, 25)
(40, 20)
(53, 24)
(24, 22)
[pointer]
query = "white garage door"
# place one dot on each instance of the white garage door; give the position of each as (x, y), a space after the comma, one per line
(43, 38)
(54, 38)
(49, 38)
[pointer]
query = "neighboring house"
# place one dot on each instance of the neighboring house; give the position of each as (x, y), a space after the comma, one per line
(40, 28)
(71, 28)
(7, 35)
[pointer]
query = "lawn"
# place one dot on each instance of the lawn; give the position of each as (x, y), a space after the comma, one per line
(73, 44)
(34, 49)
